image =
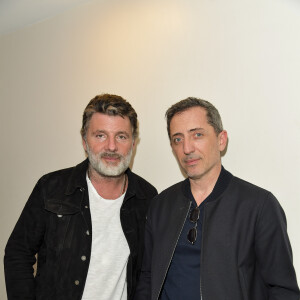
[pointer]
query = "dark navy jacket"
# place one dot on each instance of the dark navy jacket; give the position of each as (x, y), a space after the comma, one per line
(246, 254)
(56, 225)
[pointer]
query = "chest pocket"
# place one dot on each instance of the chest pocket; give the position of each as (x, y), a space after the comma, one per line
(63, 220)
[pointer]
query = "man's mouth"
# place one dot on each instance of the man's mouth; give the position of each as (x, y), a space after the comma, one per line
(111, 157)
(191, 161)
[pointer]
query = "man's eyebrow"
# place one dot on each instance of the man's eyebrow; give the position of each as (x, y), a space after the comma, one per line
(176, 134)
(190, 130)
(98, 131)
(123, 132)
(196, 129)
(104, 131)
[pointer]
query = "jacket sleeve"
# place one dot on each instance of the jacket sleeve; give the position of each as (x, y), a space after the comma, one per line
(143, 290)
(22, 246)
(274, 253)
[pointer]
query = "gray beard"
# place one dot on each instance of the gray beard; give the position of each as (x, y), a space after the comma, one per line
(107, 170)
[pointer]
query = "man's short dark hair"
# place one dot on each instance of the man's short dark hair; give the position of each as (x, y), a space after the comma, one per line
(212, 114)
(111, 105)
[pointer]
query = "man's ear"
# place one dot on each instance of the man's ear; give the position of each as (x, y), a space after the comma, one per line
(222, 139)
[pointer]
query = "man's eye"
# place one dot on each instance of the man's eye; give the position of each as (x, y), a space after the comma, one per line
(177, 140)
(122, 137)
(198, 134)
(100, 136)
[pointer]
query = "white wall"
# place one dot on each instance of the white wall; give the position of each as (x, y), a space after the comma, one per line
(243, 56)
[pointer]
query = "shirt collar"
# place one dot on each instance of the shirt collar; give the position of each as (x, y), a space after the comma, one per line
(220, 186)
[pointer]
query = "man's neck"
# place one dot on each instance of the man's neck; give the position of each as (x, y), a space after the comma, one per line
(203, 186)
(106, 186)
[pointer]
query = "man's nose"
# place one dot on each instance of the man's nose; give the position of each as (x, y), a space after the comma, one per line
(188, 146)
(111, 144)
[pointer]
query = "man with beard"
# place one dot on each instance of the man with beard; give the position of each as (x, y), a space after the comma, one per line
(86, 223)
(213, 236)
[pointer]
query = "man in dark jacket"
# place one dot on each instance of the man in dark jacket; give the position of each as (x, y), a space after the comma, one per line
(213, 236)
(84, 224)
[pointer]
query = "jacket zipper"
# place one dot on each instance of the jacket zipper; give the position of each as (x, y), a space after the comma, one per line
(173, 254)
(201, 258)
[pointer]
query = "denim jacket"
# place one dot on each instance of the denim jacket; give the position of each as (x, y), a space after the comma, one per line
(56, 225)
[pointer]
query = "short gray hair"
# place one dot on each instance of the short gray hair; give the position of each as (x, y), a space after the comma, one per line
(111, 105)
(213, 116)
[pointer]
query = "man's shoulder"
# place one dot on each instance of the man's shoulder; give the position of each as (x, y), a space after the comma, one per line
(247, 192)
(57, 173)
(141, 184)
(139, 179)
(64, 180)
(247, 186)
(65, 172)
(169, 193)
(175, 188)
(170, 197)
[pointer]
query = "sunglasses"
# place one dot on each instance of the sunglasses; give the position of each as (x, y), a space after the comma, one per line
(194, 217)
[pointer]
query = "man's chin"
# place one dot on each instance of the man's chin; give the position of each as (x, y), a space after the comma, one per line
(194, 176)
(190, 173)
(110, 171)
(112, 174)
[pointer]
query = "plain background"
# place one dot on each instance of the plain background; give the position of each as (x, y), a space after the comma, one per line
(243, 56)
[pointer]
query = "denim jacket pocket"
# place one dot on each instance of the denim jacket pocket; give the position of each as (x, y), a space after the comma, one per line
(66, 207)
(61, 224)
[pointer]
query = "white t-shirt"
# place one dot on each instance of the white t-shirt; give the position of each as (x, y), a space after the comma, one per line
(106, 279)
